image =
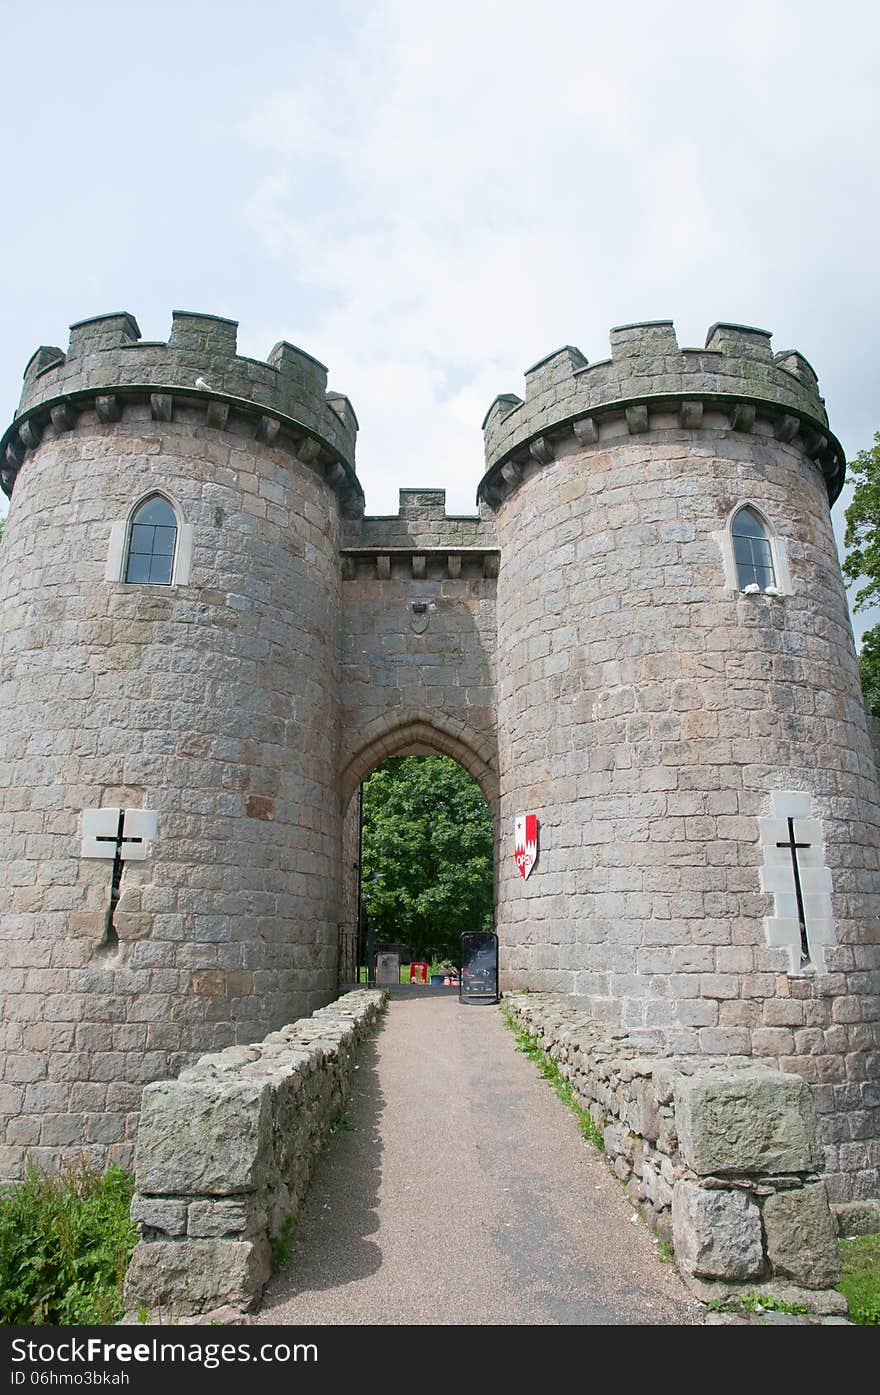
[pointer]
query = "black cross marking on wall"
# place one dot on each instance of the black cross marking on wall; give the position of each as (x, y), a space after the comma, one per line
(119, 838)
(792, 844)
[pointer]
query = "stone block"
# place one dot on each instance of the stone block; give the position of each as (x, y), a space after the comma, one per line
(858, 1217)
(194, 1276)
(716, 1234)
(203, 1137)
(209, 1219)
(802, 1236)
(159, 1213)
(749, 1120)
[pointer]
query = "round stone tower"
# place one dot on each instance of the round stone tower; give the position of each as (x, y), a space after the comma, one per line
(170, 823)
(679, 703)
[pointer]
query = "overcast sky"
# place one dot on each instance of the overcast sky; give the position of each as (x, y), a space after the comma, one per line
(429, 195)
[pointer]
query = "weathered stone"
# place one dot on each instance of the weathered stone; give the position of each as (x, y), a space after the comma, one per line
(586, 431)
(802, 1236)
(821, 1302)
(217, 415)
(742, 416)
(690, 413)
(203, 1137)
(268, 429)
(223, 1217)
(717, 1235)
(542, 450)
(857, 1217)
(63, 417)
(196, 1275)
(159, 1213)
(31, 433)
(751, 1120)
(636, 419)
(108, 407)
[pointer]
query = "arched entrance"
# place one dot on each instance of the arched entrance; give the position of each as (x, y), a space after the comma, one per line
(410, 736)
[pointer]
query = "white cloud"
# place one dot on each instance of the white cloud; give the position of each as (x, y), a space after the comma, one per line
(430, 197)
(472, 185)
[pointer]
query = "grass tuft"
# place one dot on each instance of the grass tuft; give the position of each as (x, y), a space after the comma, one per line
(281, 1245)
(860, 1278)
(65, 1243)
(549, 1071)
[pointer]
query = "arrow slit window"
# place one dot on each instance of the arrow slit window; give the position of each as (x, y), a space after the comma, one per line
(152, 542)
(752, 551)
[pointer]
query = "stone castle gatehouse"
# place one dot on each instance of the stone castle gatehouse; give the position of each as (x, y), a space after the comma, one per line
(642, 637)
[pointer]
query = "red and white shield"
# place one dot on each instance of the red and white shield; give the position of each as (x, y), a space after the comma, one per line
(526, 842)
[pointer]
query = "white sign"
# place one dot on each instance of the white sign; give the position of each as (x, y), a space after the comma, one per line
(387, 968)
(104, 831)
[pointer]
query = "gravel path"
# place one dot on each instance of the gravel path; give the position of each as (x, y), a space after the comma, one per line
(465, 1194)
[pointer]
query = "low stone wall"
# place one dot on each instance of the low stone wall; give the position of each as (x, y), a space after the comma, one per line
(224, 1157)
(718, 1156)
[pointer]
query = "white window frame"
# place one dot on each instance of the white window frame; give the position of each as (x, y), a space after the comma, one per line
(778, 551)
(120, 535)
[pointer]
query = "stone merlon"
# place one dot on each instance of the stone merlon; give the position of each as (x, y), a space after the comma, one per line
(647, 374)
(106, 352)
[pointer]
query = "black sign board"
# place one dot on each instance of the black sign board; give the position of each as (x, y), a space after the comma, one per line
(479, 967)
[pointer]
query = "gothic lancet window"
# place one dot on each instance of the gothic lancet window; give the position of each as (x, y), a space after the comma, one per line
(752, 551)
(152, 541)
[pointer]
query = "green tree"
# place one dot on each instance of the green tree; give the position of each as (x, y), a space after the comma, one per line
(428, 834)
(862, 562)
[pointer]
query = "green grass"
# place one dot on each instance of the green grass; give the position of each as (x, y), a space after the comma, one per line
(549, 1071)
(860, 1278)
(65, 1243)
(756, 1303)
(281, 1245)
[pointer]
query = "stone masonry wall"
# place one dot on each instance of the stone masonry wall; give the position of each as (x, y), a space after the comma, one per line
(578, 645)
(719, 1156)
(418, 640)
(648, 713)
(212, 702)
(225, 1154)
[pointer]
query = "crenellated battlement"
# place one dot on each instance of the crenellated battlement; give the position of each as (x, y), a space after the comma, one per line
(648, 377)
(108, 363)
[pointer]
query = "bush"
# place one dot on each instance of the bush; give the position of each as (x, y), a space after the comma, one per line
(860, 1278)
(65, 1243)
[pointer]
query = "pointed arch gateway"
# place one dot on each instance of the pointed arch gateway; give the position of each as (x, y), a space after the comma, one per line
(421, 733)
(417, 733)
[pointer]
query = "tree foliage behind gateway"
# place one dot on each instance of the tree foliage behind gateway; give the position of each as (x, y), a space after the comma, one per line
(428, 833)
(862, 562)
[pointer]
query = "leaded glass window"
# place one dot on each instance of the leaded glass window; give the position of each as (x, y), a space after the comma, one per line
(152, 540)
(752, 551)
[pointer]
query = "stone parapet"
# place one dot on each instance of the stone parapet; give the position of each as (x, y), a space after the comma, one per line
(225, 1153)
(421, 542)
(422, 522)
(718, 1156)
(107, 366)
(650, 382)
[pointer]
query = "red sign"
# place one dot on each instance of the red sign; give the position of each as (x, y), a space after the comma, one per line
(418, 973)
(526, 843)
